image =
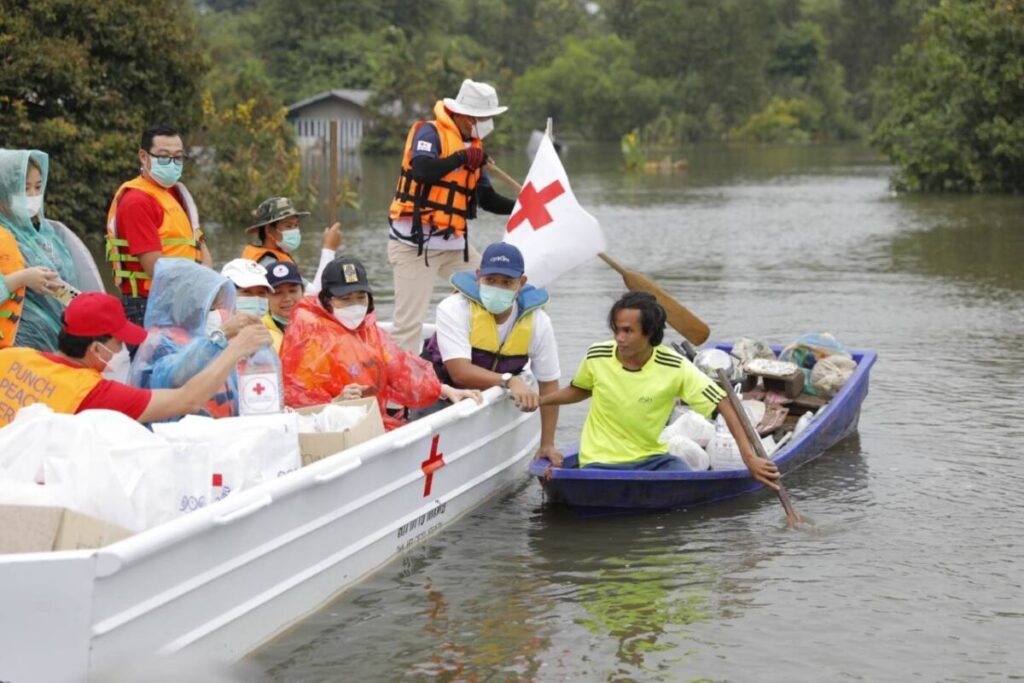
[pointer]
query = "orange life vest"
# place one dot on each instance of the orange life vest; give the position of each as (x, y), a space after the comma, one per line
(255, 253)
(11, 261)
(443, 206)
(180, 234)
(27, 377)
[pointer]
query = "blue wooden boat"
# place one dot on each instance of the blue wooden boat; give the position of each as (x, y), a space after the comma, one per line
(610, 489)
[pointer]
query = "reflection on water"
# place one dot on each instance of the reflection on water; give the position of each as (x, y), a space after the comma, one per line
(911, 568)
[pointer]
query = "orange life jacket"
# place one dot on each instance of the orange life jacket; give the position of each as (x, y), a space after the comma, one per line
(180, 234)
(443, 206)
(11, 261)
(255, 253)
(27, 377)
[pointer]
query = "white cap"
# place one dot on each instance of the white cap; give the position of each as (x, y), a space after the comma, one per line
(475, 99)
(245, 273)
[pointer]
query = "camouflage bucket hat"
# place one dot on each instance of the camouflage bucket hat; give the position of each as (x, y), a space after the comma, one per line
(272, 210)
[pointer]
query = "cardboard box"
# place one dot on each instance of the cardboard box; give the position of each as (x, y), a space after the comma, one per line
(33, 529)
(321, 444)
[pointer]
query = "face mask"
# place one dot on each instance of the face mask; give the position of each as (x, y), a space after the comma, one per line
(280, 319)
(256, 305)
(212, 322)
(351, 316)
(495, 299)
(33, 205)
(290, 239)
(117, 366)
(482, 129)
(167, 175)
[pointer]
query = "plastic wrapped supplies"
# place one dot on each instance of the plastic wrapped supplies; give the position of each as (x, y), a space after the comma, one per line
(691, 453)
(746, 349)
(332, 418)
(691, 425)
(829, 375)
(106, 465)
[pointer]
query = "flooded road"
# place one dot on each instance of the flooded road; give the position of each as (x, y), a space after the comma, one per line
(911, 569)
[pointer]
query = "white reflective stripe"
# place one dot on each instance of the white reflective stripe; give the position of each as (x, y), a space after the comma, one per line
(190, 209)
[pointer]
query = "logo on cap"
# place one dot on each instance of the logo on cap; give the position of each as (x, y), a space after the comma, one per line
(252, 267)
(498, 258)
(349, 271)
(280, 270)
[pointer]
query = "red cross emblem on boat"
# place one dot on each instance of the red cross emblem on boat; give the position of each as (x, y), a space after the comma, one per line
(533, 206)
(431, 465)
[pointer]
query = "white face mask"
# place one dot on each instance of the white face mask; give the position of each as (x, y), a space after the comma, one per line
(351, 316)
(33, 205)
(256, 305)
(118, 365)
(212, 321)
(483, 128)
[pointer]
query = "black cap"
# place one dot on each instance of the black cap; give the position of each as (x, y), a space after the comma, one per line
(345, 275)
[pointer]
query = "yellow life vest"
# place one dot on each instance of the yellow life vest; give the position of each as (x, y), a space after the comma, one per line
(11, 261)
(180, 233)
(27, 377)
(276, 335)
(488, 351)
(254, 252)
(444, 205)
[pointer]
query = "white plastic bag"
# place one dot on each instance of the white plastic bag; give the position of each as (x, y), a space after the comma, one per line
(691, 453)
(829, 375)
(690, 424)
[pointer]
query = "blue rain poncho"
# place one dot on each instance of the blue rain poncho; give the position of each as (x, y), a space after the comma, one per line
(40, 246)
(181, 298)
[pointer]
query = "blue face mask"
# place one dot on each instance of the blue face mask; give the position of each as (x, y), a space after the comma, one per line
(495, 299)
(167, 175)
(290, 239)
(256, 305)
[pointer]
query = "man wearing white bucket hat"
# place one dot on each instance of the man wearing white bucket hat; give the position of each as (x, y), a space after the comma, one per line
(441, 186)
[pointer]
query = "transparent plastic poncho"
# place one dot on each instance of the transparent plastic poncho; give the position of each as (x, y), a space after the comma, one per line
(320, 356)
(182, 295)
(40, 246)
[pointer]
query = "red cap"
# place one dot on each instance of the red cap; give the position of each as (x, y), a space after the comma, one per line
(94, 314)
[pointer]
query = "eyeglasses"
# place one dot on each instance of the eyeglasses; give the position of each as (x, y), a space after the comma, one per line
(164, 160)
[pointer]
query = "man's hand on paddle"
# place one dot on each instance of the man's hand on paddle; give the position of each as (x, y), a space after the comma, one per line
(764, 471)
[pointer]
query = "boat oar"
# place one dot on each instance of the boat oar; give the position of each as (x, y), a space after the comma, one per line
(679, 317)
(792, 518)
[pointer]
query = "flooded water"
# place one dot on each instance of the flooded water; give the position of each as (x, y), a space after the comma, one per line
(911, 569)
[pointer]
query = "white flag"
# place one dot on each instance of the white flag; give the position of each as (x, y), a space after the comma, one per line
(548, 225)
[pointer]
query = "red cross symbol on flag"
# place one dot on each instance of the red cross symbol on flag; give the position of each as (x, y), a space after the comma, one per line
(431, 465)
(259, 389)
(533, 206)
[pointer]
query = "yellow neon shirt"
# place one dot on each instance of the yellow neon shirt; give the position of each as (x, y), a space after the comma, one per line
(628, 409)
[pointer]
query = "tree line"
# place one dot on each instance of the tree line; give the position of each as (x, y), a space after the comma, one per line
(935, 84)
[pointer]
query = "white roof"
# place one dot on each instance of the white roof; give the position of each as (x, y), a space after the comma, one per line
(357, 97)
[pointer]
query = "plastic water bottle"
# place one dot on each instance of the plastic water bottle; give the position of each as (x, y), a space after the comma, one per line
(259, 383)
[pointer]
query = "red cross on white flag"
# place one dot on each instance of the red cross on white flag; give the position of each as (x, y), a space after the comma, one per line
(548, 225)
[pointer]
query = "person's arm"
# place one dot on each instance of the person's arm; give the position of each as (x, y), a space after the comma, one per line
(204, 255)
(148, 261)
(567, 395)
(190, 398)
(493, 202)
(548, 425)
(763, 470)
(328, 252)
(429, 170)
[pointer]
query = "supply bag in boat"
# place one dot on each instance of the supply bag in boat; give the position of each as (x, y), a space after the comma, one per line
(243, 451)
(34, 529)
(316, 445)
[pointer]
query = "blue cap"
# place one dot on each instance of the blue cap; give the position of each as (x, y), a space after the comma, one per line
(502, 258)
(280, 272)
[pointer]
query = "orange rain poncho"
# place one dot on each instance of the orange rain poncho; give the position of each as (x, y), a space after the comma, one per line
(319, 356)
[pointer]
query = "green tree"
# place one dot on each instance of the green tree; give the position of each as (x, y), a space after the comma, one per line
(81, 79)
(951, 109)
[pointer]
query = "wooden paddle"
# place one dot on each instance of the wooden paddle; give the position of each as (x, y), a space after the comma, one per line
(679, 317)
(792, 518)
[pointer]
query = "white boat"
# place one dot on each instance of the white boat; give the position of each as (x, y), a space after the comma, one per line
(227, 578)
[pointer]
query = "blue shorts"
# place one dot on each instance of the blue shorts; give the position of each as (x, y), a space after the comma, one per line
(663, 462)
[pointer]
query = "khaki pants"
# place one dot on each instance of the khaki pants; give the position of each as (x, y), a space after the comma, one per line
(414, 283)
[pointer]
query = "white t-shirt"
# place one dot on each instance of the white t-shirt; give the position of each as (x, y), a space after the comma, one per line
(453, 318)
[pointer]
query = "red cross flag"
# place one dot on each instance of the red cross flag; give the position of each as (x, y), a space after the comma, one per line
(548, 225)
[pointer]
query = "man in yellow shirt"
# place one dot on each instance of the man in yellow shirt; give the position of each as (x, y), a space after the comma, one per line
(633, 382)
